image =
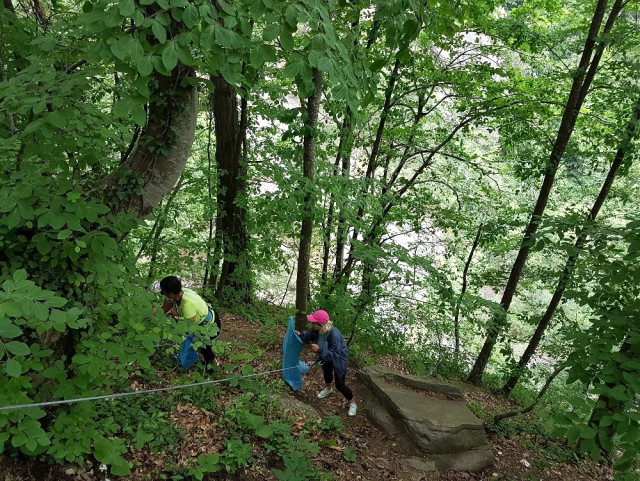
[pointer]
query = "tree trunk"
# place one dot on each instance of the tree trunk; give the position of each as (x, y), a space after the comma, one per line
(577, 248)
(234, 284)
(342, 157)
(582, 80)
(456, 317)
(306, 231)
(210, 239)
(162, 151)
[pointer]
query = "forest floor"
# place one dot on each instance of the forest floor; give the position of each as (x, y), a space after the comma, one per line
(378, 456)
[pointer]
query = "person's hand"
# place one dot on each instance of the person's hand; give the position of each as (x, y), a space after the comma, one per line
(297, 332)
(315, 347)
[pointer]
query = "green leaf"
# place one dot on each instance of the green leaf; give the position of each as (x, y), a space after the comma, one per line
(19, 276)
(18, 348)
(170, 56)
(573, 434)
(324, 64)
(264, 431)
(223, 36)
(190, 17)
(121, 108)
(56, 119)
(256, 57)
(120, 466)
(207, 37)
(619, 393)
(286, 40)
(127, 8)
(292, 69)
(587, 432)
(159, 31)
(145, 65)
(8, 330)
(349, 454)
(139, 115)
(13, 368)
(291, 16)
(271, 32)
(228, 9)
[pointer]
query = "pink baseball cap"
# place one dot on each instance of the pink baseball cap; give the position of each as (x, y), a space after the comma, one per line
(321, 317)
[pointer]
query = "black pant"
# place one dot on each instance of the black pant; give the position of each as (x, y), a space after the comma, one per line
(329, 374)
(206, 352)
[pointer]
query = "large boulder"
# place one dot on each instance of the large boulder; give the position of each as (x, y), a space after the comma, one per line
(432, 414)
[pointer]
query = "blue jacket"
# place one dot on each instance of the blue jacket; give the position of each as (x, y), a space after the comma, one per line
(336, 351)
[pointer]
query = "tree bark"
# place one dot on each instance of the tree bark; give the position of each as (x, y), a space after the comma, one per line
(163, 148)
(306, 231)
(582, 80)
(342, 158)
(234, 284)
(567, 271)
(463, 290)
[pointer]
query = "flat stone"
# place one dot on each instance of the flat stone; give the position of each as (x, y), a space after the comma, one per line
(416, 382)
(424, 465)
(444, 429)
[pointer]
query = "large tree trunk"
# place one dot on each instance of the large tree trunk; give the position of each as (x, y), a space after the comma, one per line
(163, 149)
(565, 276)
(309, 172)
(584, 76)
(235, 283)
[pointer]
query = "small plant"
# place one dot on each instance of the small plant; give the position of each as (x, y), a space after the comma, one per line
(206, 463)
(332, 424)
(349, 454)
(236, 455)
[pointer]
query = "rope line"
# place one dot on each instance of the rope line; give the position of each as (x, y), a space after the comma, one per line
(137, 393)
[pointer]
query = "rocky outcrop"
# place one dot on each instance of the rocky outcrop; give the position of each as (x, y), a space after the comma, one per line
(433, 415)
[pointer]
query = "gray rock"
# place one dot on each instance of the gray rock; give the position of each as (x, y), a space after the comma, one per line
(288, 402)
(444, 429)
(424, 465)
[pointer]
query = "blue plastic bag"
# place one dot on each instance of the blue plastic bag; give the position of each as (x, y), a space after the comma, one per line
(188, 355)
(291, 349)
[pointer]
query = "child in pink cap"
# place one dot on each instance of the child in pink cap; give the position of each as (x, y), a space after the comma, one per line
(327, 342)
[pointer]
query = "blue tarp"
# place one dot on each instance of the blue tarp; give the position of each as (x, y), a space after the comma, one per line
(291, 349)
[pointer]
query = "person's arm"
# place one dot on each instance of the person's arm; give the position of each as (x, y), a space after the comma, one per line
(305, 336)
(169, 308)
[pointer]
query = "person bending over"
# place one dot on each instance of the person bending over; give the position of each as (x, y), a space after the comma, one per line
(327, 342)
(187, 304)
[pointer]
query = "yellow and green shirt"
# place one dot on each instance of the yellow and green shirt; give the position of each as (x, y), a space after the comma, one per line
(192, 305)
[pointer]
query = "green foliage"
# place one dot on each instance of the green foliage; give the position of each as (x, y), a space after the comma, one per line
(350, 454)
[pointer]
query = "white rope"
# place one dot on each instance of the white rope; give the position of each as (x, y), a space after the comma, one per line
(137, 393)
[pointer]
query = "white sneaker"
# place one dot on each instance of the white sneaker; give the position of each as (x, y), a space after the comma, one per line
(324, 393)
(353, 409)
